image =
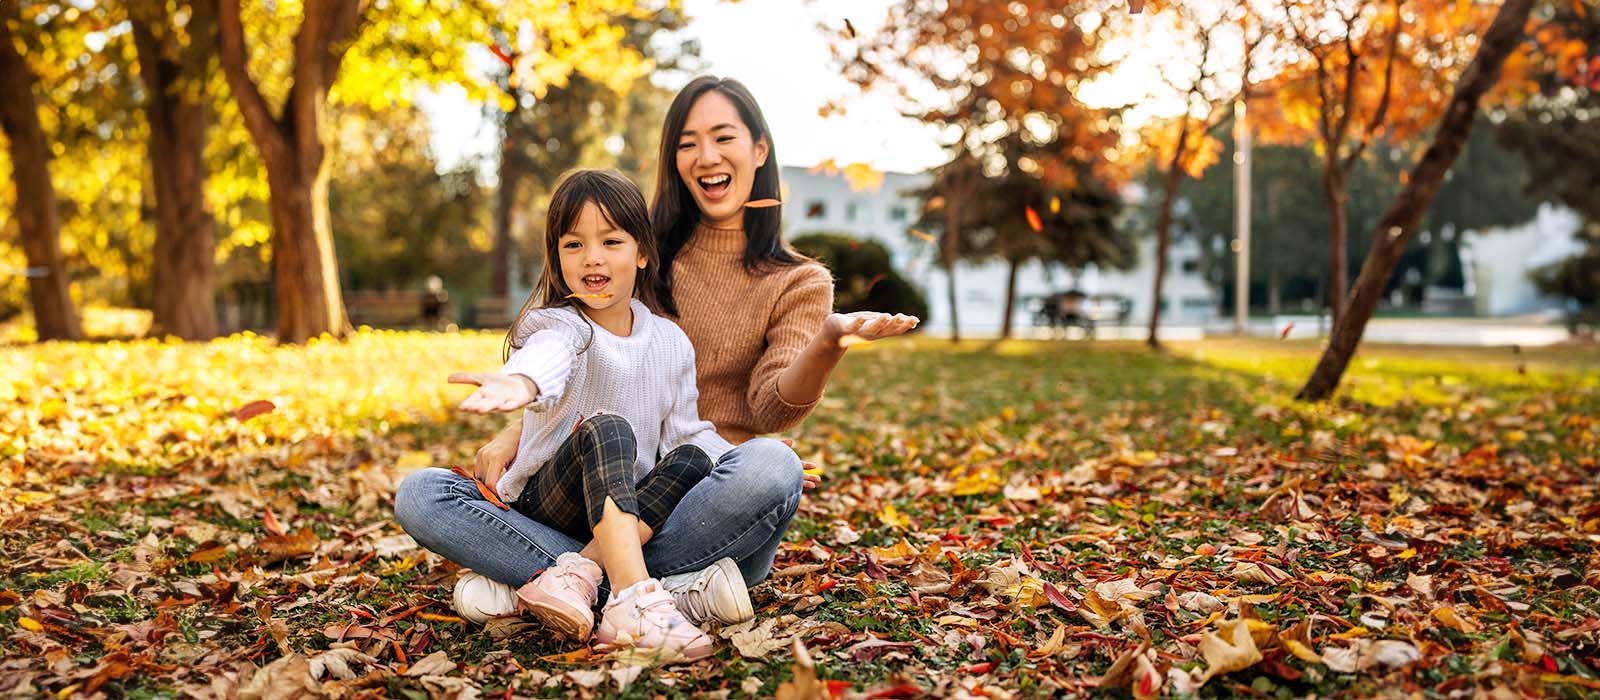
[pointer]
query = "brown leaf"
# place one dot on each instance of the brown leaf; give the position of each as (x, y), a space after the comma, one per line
(1231, 652)
(253, 409)
(288, 678)
(804, 685)
(270, 523)
(281, 547)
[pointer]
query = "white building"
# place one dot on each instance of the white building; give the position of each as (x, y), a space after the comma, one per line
(1497, 262)
(824, 201)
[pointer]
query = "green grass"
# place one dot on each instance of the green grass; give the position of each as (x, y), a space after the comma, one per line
(1471, 466)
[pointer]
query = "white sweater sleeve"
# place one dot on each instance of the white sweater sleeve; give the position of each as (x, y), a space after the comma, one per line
(683, 424)
(546, 357)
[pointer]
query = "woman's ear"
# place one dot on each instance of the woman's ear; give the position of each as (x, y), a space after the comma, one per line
(644, 261)
(761, 152)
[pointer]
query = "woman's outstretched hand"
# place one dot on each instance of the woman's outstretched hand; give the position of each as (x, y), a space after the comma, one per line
(867, 325)
(496, 392)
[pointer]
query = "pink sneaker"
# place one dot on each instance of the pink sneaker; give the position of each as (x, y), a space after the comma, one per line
(644, 616)
(563, 596)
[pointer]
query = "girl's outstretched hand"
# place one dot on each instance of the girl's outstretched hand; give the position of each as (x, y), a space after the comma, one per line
(868, 325)
(496, 392)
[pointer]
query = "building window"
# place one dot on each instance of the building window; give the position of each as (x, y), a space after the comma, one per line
(850, 211)
(816, 209)
(897, 213)
(1191, 266)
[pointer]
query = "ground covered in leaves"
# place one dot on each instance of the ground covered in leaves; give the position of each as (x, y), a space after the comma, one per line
(1031, 519)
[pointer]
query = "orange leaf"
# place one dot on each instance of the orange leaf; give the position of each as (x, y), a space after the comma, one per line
(762, 203)
(252, 409)
(270, 522)
(935, 203)
(1285, 334)
(1034, 222)
(924, 236)
(500, 54)
(607, 295)
(483, 490)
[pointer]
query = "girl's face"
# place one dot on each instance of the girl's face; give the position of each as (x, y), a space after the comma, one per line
(717, 160)
(597, 258)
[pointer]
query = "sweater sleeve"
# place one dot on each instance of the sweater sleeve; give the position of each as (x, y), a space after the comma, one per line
(549, 340)
(802, 307)
(682, 425)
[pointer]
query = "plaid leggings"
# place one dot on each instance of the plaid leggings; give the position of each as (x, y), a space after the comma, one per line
(596, 461)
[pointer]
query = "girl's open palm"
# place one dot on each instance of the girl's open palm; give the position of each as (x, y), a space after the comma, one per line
(496, 392)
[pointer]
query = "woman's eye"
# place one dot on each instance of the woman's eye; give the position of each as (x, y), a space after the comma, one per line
(685, 146)
(724, 139)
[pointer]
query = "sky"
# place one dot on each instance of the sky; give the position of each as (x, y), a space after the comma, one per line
(777, 50)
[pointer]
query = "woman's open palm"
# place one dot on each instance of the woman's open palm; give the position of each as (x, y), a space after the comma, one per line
(869, 325)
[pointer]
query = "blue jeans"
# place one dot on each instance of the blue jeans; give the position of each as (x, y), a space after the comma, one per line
(740, 510)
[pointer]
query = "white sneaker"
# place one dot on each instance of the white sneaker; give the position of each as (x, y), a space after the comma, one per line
(479, 598)
(716, 592)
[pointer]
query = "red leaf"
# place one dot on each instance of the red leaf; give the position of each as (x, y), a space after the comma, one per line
(253, 409)
(500, 54)
(270, 522)
(1058, 598)
(836, 689)
(1285, 334)
(984, 667)
(874, 570)
(1034, 222)
(1548, 663)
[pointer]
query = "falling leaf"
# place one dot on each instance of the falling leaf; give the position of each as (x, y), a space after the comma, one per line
(1286, 328)
(1232, 651)
(1055, 205)
(762, 203)
(851, 340)
(500, 54)
(935, 203)
(1034, 222)
(252, 409)
(924, 236)
(1136, 6)
(849, 29)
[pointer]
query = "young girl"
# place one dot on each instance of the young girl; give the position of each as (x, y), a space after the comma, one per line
(608, 386)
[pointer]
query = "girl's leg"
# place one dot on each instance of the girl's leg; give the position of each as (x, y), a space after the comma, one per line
(587, 488)
(740, 510)
(660, 491)
(445, 513)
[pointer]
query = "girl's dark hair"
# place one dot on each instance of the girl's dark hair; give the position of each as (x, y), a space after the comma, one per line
(675, 213)
(622, 205)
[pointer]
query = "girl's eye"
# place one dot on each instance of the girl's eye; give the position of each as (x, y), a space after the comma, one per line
(570, 246)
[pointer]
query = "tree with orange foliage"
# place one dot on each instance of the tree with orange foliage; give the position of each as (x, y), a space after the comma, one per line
(991, 74)
(1405, 214)
(1365, 70)
(1207, 83)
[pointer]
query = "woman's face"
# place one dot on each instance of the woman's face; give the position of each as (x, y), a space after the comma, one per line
(717, 160)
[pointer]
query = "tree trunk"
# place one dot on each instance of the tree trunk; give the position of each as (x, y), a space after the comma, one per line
(1011, 299)
(1336, 188)
(1169, 196)
(505, 200)
(949, 252)
(49, 291)
(304, 268)
(185, 249)
(1400, 221)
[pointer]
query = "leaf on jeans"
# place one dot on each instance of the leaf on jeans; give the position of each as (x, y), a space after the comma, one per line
(483, 489)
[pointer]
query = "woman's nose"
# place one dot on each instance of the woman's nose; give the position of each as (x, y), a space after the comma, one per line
(709, 155)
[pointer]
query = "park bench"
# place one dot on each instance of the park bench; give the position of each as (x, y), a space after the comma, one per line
(386, 309)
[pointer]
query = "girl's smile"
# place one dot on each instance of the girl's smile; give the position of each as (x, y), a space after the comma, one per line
(600, 262)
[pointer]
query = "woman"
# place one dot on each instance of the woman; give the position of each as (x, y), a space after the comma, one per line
(759, 317)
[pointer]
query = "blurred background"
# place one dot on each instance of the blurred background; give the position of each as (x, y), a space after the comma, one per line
(1068, 168)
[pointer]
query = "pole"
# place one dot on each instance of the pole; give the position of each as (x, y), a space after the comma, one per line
(1241, 241)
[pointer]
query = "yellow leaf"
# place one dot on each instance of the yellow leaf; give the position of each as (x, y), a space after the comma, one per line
(31, 498)
(411, 461)
(1302, 652)
(893, 518)
(1232, 651)
(30, 624)
(1448, 617)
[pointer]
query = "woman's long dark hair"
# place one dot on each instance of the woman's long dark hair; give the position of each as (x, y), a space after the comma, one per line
(675, 214)
(622, 204)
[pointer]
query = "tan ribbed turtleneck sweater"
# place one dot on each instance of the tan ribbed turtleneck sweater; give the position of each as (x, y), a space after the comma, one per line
(746, 329)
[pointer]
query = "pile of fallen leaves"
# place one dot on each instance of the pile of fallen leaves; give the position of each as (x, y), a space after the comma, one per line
(1026, 520)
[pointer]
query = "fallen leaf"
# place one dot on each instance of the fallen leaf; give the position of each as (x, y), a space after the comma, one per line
(436, 664)
(804, 685)
(1233, 651)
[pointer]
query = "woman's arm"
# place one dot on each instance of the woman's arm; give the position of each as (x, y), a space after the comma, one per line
(803, 381)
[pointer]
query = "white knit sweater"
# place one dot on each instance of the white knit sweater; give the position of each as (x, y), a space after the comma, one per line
(646, 377)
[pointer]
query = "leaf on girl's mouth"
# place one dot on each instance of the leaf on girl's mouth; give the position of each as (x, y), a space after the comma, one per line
(762, 203)
(606, 295)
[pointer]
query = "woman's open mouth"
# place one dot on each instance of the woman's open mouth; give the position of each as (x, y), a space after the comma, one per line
(716, 186)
